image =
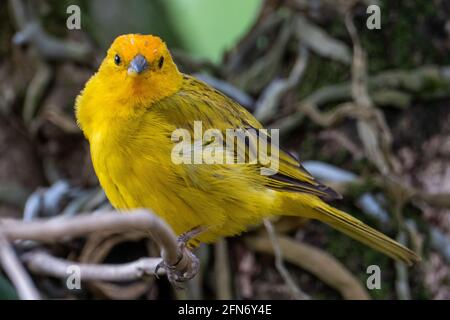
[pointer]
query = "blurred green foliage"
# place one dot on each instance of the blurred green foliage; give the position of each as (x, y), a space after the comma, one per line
(7, 292)
(205, 29)
(208, 28)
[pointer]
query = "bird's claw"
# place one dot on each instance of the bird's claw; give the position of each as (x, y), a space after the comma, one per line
(173, 272)
(175, 276)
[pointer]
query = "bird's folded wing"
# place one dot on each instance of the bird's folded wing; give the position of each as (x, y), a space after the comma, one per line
(199, 102)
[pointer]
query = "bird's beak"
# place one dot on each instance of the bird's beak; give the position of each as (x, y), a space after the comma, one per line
(137, 65)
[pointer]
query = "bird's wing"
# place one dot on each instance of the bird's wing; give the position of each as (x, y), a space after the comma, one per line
(197, 101)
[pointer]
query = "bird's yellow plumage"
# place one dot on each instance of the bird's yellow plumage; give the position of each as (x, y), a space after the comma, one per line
(128, 112)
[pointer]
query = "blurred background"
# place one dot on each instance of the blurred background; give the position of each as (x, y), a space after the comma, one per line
(366, 109)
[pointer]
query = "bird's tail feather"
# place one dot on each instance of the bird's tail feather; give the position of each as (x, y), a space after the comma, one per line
(359, 231)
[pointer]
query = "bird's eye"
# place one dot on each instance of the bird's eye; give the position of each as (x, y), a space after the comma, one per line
(160, 62)
(117, 59)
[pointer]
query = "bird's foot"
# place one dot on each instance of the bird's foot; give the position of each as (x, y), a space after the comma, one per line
(178, 275)
(187, 265)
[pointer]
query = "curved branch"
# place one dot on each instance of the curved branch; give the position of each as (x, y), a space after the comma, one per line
(319, 263)
(31, 31)
(62, 228)
(43, 263)
(15, 271)
(279, 263)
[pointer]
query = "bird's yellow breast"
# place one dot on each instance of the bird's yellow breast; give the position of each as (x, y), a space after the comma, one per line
(133, 162)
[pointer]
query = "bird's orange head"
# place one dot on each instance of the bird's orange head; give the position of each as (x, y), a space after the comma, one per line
(140, 67)
(137, 72)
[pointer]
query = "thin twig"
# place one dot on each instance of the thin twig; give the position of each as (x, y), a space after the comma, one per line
(402, 275)
(16, 272)
(49, 47)
(222, 270)
(43, 263)
(373, 132)
(279, 263)
(315, 261)
(36, 91)
(320, 42)
(230, 90)
(268, 103)
(410, 82)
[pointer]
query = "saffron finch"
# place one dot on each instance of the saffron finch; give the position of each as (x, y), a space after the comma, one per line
(129, 111)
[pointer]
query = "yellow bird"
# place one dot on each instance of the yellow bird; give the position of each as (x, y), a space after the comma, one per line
(129, 111)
